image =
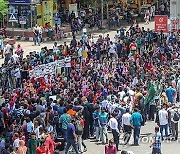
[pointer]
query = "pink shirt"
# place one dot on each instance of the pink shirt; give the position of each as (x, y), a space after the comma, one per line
(50, 144)
(110, 149)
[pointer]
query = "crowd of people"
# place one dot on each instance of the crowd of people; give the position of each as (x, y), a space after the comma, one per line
(107, 85)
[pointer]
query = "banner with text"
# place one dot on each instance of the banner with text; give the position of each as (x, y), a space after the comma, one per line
(161, 23)
(50, 68)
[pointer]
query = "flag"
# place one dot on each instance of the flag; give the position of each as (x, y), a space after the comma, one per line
(151, 93)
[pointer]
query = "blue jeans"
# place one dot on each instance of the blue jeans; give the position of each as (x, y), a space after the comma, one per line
(156, 151)
(103, 134)
(97, 133)
(64, 132)
(73, 143)
(36, 39)
(136, 134)
(164, 127)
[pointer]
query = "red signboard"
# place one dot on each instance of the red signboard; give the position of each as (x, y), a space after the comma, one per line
(161, 23)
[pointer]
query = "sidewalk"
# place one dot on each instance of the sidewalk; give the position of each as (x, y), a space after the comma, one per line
(27, 34)
(28, 46)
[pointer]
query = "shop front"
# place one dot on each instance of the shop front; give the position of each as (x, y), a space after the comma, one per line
(25, 11)
(48, 12)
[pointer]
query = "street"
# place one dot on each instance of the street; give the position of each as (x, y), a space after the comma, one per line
(147, 131)
(29, 46)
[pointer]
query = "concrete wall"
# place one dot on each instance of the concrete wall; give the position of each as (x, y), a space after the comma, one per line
(175, 11)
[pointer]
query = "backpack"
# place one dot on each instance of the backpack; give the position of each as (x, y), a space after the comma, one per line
(78, 127)
(176, 116)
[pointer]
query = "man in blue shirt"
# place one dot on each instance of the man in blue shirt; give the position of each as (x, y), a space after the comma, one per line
(119, 49)
(170, 93)
(103, 118)
(71, 137)
(97, 122)
(1, 46)
(136, 120)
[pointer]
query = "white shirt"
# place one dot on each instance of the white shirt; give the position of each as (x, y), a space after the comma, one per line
(36, 130)
(40, 29)
(126, 119)
(172, 111)
(16, 143)
(104, 103)
(17, 73)
(67, 62)
(8, 49)
(55, 49)
(163, 117)
(121, 93)
(113, 124)
(112, 48)
(15, 57)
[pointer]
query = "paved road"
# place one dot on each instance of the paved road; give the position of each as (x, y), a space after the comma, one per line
(147, 132)
(28, 46)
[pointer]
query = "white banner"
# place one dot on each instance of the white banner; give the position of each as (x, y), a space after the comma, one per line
(50, 68)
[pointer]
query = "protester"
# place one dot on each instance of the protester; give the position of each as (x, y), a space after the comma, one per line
(71, 138)
(41, 149)
(22, 149)
(45, 90)
(50, 144)
(32, 144)
(36, 35)
(157, 142)
(110, 148)
(113, 124)
(163, 121)
(126, 126)
(174, 119)
(65, 119)
(1, 47)
(136, 122)
(103, 118)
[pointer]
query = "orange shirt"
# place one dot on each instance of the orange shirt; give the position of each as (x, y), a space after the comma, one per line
(71, 112)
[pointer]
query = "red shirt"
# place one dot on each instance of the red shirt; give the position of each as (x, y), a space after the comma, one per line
(162, 58)
(50, 144)
(110, 149)
(41, 150)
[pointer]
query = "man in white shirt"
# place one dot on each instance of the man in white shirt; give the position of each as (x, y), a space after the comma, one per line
(17, 75)
(126, 126)
(8, 52)
(113, 124)
(163, 120)
(174, 112)
(104, 102)
(112, 49)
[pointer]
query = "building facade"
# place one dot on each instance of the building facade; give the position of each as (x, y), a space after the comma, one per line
(175, 15)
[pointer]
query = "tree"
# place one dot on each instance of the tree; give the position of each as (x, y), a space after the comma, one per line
(3, 8)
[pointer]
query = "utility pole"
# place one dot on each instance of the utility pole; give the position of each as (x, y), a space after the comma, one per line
(102, 12)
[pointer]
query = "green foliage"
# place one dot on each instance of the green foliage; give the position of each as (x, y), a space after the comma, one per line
(3, 8)
(88, 2)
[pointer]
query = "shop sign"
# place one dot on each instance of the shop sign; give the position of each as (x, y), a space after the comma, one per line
(20, 1)
(161, 23)
(73, 7)
(22, 20)
(12, 17)
(174, 24)
(35, 1)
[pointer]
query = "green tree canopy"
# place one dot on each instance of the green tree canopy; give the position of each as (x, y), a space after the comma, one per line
(3, 8)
